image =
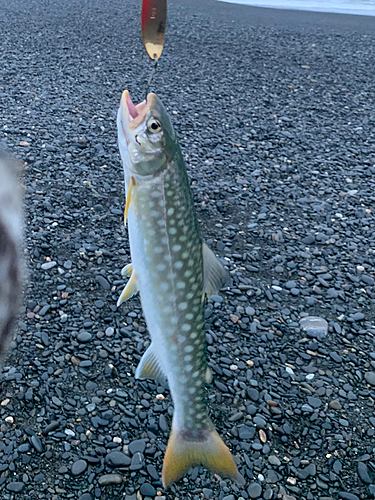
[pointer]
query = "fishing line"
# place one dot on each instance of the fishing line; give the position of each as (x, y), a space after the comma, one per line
(155, 65)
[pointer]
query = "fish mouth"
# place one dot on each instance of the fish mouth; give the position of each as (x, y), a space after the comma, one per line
(133, 115)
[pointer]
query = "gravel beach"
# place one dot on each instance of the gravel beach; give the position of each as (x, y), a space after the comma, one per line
(275, 114)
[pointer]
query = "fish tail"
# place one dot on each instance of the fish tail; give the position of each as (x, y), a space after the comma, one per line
(186, 449)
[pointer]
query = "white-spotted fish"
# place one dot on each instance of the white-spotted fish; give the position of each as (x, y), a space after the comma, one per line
(173, 270)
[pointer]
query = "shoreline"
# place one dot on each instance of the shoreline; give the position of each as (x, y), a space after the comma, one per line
(252, 15)
(348, 11)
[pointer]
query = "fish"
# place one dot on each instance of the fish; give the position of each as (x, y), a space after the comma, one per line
(11, 227)
(173, 270)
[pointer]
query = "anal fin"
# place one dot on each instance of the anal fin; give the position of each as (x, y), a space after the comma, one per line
(149, 366)
(130, 289)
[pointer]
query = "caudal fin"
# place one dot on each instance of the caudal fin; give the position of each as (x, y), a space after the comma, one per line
(185, 450)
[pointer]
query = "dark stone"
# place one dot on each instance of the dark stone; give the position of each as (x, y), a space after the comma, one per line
(117, 459)
(79, 467)
(147, 490)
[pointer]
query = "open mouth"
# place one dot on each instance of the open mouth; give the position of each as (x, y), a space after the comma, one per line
(132, 114)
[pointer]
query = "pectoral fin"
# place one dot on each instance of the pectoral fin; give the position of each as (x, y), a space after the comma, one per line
(149, 366)
(130, 289)
(127, 270)
(214, 274)
(128, 198)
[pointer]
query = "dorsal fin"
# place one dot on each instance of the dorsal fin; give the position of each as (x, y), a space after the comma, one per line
(214, 274)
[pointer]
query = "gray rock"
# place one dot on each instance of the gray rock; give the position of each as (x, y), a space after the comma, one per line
(84, 337)
(314, 402)
(370, 378)
(273, 460)
(363, 473)
(254, 490)
(16, 486)
(147, 490)
(117, 459)
(137, 446)
(48, 265)
(246, 433)
(107, 479)
(79, 467)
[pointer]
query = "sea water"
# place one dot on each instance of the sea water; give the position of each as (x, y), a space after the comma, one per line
(358, 7)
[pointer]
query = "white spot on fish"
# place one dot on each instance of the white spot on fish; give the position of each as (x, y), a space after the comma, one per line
(189, 316)
(164, 287)
(154, 213)
(191, 390)
(161, 267)
(170, 211)
(185, 255)
(186, 328)
(188, 273)
(174, 320)
(172, 230)
(182, 238)
(188, 368)
(176, 248)
(182, 306)
(189, 348)
(188, 358)
(158, 250)
(178, 265)
(196, 374)
(180, 285)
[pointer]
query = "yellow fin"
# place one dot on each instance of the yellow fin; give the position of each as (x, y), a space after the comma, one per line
(130, 289)
(127, 270)
(208, 450)
(128, 198)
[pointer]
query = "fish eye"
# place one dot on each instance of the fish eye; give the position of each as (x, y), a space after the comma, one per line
(153, 125)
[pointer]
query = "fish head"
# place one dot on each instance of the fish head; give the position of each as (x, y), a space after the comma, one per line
(146, 137)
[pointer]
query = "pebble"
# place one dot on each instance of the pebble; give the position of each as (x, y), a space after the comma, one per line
(137, 446)
(147, 490)
(48, 265)
(363, 473)
(348, 496)
(336, 405)
(370, 378)
(84, 337)
(117, 459)
(37, 443)
(314, 326)
(107, 479)
(16, 486)
(254, 490)
(79, 467)
(85, 496)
